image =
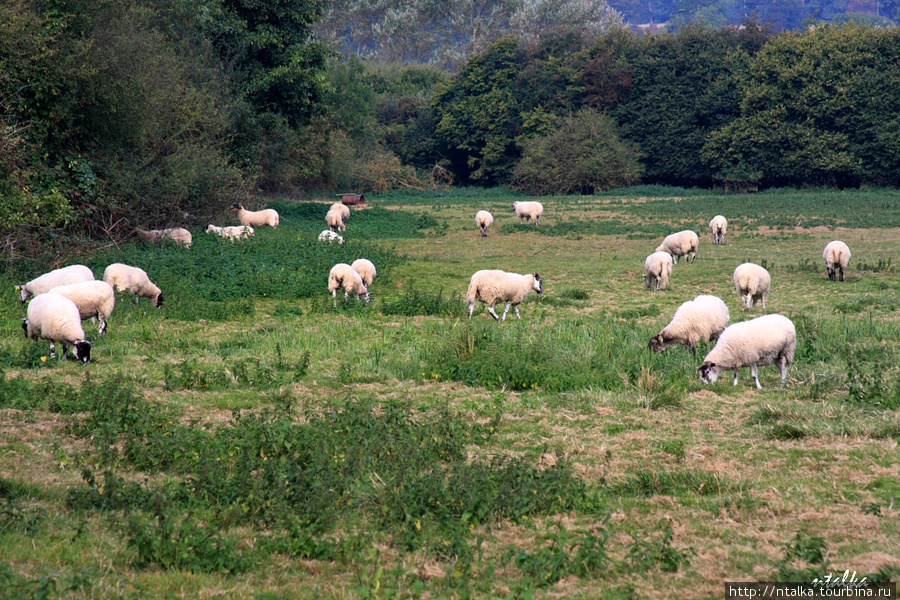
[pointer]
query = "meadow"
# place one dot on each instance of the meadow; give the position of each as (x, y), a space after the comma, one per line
(250, 440)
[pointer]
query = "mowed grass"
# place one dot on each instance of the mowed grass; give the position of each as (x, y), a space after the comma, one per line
(250, 440)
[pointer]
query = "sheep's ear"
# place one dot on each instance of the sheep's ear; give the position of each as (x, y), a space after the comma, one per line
(538, 277)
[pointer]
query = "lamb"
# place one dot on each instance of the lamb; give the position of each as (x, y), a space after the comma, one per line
(334, 220)
(366, 270)
(657, 270)
(235, 232)
(753, 284)
(126, 278)
(484, 220)
(684, 243)
(54, 317)
(528, 211)
(767, 340)
(699, 320)
(718, 226)
(492, 286)
(341, 208)
(179, 235)
(94, 299)
(48, 281)
(342, 275)
(259, 218)
(837, 256)
(330, 236)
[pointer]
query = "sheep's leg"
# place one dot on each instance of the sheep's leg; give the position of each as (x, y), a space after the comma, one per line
(471, 308)
(102, 324)
(755, 372)
(782, 368)
(736, 373)
(764, 300)
(493, 314)
(517, 312)
(137, 300)
(334, 295)
(842, 273)
(693, 351)
(505, 311)
(53, 350)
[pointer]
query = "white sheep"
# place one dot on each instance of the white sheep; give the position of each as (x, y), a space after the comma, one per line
(342, 275)
(752, 283)
(268, 216)
(179, 235)
(837, 256)
(341, 208)
(484, 220)
(493, 286)
(657, 270)
(126, 278)
(767, 340)
(56, 318)
(48, 281)
(528, 211)
(699, 320)
(334, 220)
(234, 232)
(330, 236)
(718, 226)
(94, 299)
(366, 270)
(684, 243)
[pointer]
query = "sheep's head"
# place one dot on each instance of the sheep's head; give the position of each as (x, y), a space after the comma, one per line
(657, 343)
(83, 351)
(538, 284)
(708, 372)
(237, 206)
(25, 325)
(158, 301)
(514, 204)
(23, 293)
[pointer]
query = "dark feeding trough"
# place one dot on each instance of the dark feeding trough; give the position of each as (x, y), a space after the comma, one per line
(353, 199)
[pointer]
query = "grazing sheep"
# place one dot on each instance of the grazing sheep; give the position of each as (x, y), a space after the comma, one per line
(126, 278)
(48, 281)
(341, 208)
(657, 270)
(56, 318)
(334, 220)
(837, 256)
(684, 243)
(268, 216)
(699, 320)
(528, 211)
(718, 226)
(752, 283)
(330, 236)
(94, 299)
(484, 220)
(179, 235)
(235, 232)
(496, 286)
(767, 340)
(342, 275)
(366, 270)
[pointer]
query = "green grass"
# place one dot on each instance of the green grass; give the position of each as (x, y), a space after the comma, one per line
(252, 440)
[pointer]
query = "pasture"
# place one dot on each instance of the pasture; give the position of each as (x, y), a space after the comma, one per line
(251, 441)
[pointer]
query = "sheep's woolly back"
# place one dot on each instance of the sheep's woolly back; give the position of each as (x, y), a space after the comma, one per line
(343, 276)
(126, 278)
(366, 270)
(698, 320)
(658, 269)
(528, 210)
(753, 281)
(330, 236)
(341, 208)
(48, 281)
(718, 225)
(179, 235)
(234, 232)
(492, 286)
(680, 244)
(756, 342)
(258, 218)
(334, 220)
(484, 219)
(93, 298)
(54, 317)
(837, 254)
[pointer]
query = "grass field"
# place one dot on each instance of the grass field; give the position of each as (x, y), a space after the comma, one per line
(251, 441)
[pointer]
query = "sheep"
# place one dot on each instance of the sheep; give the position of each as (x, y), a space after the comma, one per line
(718, 226)
(54, 317)
(94, 299)
(657, 270)
(268, 216)
(330, 236)
(767, 340)
(334, 220)
(699, 320)
(752, 283)
(126, 278)
(492, 286)
(341, 208)
(48, 281)
(528, 211)
(366, 270)
(235, 232)
(837, 256)
(342, 275)
(484, 220)
(179, 235)
(684, 243)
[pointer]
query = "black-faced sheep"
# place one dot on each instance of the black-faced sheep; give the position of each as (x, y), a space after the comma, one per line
(699, 320)
(56, 318)
(94, 299)
(484, 220)
(657, 270)
(767, 340)
(493, 286)
(126, 278)
(528, 211)
(752, 283)
(344, 276)
(48, 281)
(179, 235)
(684, 243)
(718, 226)
(837, 257)
(258, 218)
